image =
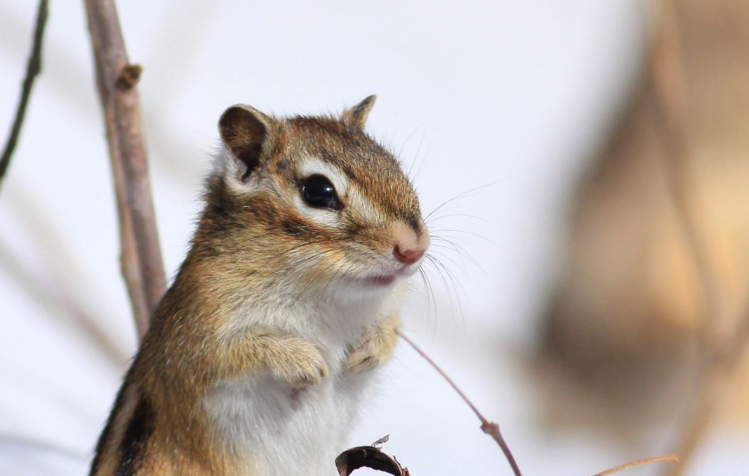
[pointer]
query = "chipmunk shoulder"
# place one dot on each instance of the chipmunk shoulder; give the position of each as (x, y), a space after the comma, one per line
(263, 347)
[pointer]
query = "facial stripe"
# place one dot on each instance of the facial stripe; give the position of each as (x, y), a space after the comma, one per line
(367, 210)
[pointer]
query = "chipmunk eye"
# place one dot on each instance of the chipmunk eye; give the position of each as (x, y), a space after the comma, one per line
(318, 192)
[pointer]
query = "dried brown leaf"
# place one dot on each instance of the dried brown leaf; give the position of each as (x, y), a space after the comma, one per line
(369, 457)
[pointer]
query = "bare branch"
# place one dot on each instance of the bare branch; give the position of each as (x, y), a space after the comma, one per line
(639, 462)
(490, 428)
(33, 68)
(116, 79)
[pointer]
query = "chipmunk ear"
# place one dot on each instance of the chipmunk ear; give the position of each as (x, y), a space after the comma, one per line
(357, 116)
(246, 133)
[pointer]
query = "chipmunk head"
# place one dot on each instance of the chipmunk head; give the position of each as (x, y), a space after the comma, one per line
(316, 199)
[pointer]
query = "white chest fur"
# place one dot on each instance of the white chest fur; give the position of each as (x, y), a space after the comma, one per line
(276, 429)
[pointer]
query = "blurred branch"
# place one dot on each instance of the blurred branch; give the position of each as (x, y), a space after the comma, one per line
(46, 290)
(116, 79)
(62, 277)
(33, 68)
(490, 428)
(639, 462)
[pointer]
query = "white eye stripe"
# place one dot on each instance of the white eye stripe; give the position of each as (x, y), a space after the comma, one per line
(313, 166)
(364, 207)
(347, 192)
(321, 216)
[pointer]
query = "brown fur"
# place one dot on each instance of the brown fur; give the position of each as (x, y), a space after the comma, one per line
(157, 426)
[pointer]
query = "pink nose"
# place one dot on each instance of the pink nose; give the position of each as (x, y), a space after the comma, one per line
(408, 256)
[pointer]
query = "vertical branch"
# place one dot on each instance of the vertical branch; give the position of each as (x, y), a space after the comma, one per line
(116, 79)
(33, 68)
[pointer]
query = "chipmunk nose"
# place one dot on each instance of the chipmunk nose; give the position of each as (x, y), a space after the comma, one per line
(410, 245)
(408, 256)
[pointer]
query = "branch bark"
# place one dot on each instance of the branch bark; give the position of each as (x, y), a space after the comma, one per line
(116, 78)
(33, 68)
(490, 428)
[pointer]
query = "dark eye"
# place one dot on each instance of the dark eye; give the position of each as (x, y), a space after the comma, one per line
(318, 192)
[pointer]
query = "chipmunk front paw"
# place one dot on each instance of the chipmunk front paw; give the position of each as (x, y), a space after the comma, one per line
(375, 349)
(305, 366)
(363, 360)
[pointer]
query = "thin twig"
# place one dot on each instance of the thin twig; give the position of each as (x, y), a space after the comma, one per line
(33, 68)
(639, 462)
(116, 79)
(490, 428)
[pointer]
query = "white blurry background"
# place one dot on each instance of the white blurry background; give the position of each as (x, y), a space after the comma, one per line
(510, 97)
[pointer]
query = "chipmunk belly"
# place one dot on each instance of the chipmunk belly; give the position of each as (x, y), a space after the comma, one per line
(274, 429)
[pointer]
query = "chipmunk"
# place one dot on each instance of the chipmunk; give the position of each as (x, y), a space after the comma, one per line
(260, 352)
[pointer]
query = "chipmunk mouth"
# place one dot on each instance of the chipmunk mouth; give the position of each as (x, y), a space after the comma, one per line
(388, 278)
(381, 280)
